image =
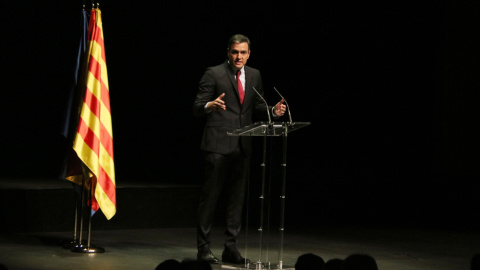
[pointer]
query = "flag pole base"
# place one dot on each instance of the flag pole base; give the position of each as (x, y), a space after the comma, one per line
(86, 249)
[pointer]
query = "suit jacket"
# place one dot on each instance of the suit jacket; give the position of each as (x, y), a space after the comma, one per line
(221, 79)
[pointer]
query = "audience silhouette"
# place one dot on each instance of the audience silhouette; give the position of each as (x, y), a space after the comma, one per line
(309, 261)
(170, 264)
(191, 264)
(475, 262)
(359, 262)
(187, 264)
(333, 264)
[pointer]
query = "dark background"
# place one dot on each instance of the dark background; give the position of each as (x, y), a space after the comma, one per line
(390, 89)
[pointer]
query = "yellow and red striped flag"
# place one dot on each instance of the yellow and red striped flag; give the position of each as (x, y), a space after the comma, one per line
(94, 140)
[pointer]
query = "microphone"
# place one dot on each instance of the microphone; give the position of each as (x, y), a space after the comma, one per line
(288, 107)
(268, 111)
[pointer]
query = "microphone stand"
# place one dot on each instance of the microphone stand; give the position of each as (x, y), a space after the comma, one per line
(270, 124)
(283, 183)
(286, 103)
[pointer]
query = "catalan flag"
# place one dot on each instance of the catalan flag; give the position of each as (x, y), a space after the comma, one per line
(93, 142)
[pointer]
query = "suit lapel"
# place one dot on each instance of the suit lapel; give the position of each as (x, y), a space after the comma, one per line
(249, 92)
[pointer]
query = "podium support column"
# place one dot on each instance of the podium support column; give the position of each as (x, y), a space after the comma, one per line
(282, 196)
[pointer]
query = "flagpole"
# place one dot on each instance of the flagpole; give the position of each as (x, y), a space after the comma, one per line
(80, 248)
(71, 244)
(91, 248)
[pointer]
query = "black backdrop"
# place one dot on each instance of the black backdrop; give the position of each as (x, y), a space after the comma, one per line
(391, 90)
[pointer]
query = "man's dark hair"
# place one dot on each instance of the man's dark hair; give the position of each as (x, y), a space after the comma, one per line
(238, 38)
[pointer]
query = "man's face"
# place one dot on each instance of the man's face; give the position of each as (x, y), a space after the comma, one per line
(238, 55)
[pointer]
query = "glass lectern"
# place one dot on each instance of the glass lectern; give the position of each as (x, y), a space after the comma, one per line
(270, 129)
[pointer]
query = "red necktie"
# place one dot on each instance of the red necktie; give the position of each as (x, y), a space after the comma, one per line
(240, 87)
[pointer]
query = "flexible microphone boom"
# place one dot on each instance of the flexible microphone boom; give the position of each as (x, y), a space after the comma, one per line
(268, 111)
(288, 107)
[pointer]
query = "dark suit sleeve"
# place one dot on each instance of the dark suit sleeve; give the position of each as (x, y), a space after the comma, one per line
(206, 93)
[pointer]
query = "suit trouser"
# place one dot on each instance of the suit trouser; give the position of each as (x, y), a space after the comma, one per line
(225, 174)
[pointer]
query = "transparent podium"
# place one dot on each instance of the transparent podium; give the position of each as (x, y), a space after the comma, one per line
(265, 130)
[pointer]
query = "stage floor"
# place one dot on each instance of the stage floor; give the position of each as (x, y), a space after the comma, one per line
(393, 248)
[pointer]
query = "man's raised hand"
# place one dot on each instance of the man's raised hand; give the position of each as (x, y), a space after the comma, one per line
(218, 104)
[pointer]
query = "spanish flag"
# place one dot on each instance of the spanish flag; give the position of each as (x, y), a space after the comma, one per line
(93, 142)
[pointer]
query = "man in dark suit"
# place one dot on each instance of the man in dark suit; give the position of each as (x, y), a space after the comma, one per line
(226, 97)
